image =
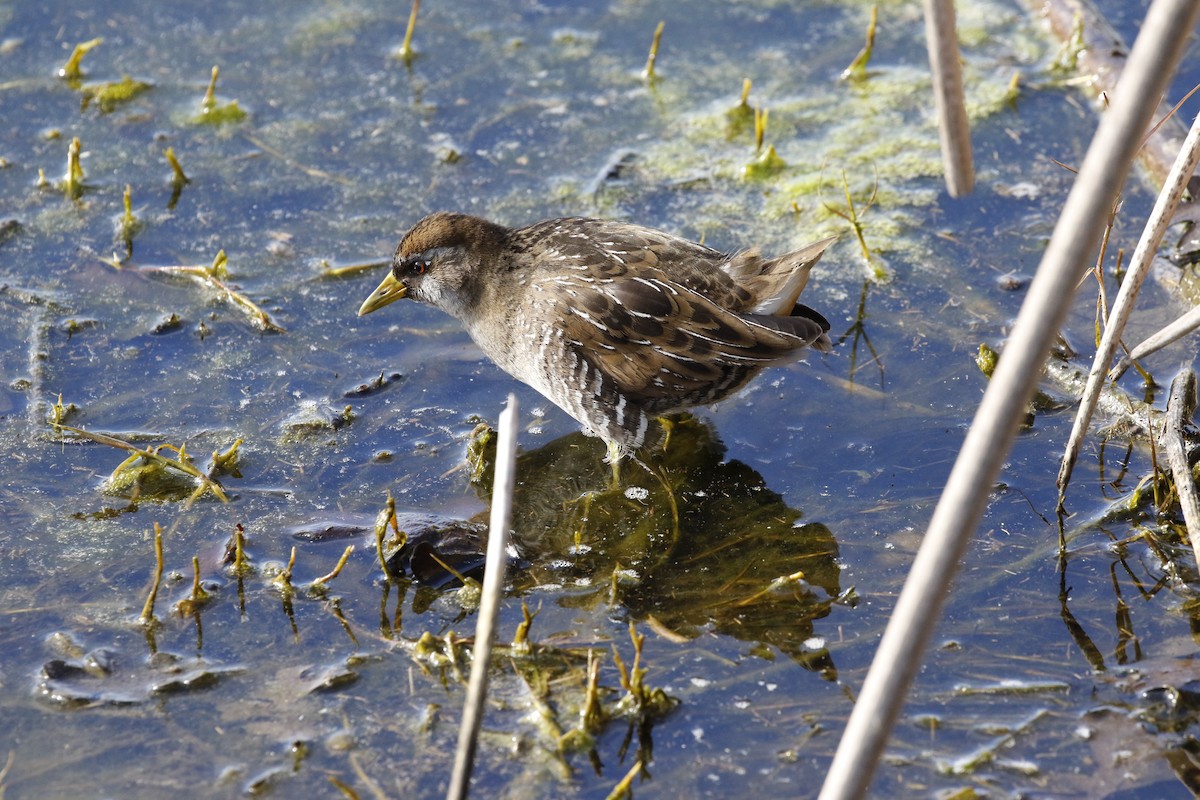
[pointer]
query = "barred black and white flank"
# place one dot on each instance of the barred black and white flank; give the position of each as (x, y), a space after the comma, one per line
(612, 322)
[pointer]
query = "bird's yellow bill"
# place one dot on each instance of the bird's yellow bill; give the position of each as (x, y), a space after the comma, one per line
(389, 290)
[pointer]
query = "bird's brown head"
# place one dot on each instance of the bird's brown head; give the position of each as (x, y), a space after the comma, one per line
(438, 260)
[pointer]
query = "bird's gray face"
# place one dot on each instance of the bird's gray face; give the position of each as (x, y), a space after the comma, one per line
(435, 276)
(437, 263)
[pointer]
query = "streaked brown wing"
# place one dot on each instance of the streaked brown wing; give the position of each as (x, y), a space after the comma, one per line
(658, 339)
(603, 248)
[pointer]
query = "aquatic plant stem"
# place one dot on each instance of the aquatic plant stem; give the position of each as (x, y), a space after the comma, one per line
(406, 51)
(147, 615)
(1164, 33)
(72, 71)
(857, 70)
(1152, 344)
(1139, 267)
(493, 588)
(1180, 406)
(624, 787)
(648, 73)
(337, 569)
(954, 130)
(73, 179)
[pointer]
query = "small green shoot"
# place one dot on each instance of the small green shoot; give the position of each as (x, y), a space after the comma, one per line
(73, 181)
(648, 73)
(857, 70)
(383, 520)
(241, 565)
(198, 598)
(741, 116)
(147, 615)
(591, 716)
(71, 71)
(319, 585)
(212, 113)
(407, 54)
(226, 463)
(283, 581)
(640, 700)
(209, 101)
(178, 178)
(520, 642)
(854, 216)
(765, 165)
(129, 225)
(469, 595)
(1013, 91)
(60, 413)
(766, 162)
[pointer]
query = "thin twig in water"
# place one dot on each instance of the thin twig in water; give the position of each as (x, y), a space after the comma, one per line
(312, 172)
(1152, 344)
(206, 484)
(353, 269)
(374, 788)
(493, 587)
(214, 275)
(1180, 407)
(1139, 267)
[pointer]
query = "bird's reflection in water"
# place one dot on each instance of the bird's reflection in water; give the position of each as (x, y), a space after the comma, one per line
(688, 541)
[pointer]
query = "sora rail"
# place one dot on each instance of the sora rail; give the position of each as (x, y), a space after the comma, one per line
(614, 323)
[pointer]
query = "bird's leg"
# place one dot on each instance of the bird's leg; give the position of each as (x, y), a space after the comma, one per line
(614, 460)
(667, 424)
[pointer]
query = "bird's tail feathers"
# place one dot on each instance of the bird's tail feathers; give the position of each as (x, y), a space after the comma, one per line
(778, 281)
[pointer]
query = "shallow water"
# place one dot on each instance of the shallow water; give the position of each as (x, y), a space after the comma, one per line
(801, 501)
